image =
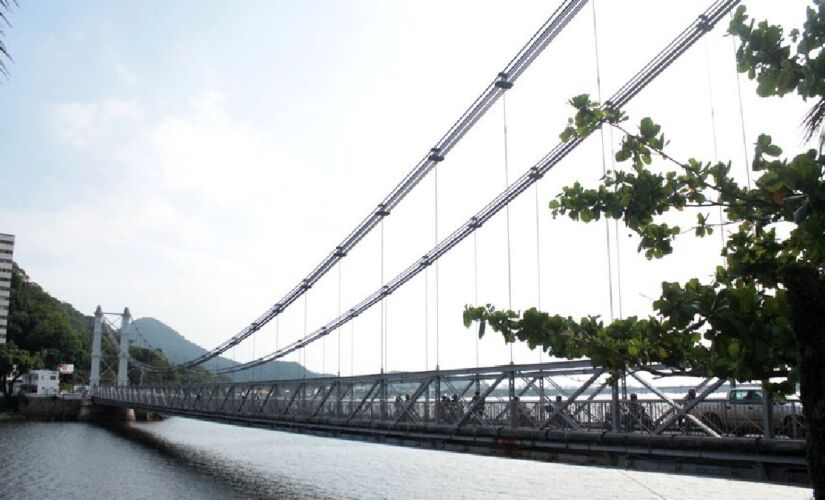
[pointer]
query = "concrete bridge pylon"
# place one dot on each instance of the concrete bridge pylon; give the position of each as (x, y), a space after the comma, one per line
(123, 347)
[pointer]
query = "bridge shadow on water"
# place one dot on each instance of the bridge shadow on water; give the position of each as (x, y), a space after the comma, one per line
(231, 479)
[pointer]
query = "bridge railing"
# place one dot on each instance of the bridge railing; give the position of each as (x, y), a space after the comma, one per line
(536, 396)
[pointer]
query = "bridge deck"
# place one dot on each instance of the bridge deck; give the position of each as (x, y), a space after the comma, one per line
(504, 410)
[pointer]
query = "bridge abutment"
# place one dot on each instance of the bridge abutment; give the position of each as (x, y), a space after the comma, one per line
(90, 412)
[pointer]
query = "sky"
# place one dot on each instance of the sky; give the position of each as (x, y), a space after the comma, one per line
(194, 160)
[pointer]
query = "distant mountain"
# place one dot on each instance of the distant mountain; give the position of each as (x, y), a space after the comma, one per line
(153, 333)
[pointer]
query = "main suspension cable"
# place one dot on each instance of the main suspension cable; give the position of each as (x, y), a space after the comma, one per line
(695, 31)
(557, 21)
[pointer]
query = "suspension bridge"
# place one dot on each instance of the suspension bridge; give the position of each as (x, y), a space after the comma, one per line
(512, 409)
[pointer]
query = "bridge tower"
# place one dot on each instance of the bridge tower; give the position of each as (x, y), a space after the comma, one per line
(123, 354)
(94, 377)
(123, 347)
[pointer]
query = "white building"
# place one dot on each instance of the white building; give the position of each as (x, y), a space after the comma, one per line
(40, 382)
(6, 252)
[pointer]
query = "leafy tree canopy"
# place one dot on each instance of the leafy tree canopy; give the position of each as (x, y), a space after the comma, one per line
(737, 326)
(15, 361)
(759, 318)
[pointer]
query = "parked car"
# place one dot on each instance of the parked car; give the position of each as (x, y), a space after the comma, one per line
(741, 413)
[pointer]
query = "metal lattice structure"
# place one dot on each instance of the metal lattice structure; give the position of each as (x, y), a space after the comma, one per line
(515, 410)
(530, 397)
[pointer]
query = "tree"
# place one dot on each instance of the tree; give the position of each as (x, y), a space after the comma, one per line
(39, 323)
(759, 318)
(14, 362)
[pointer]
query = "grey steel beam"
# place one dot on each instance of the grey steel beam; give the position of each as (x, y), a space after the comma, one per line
(676, 406)
(363, 400)
(689, 406)
(268, 397)
(324, 400)
(419, 391)
(478, 402)
(519, 394)
(292, 397)
(561, 409)
(229, 390)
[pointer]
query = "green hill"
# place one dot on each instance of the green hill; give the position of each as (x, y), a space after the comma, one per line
(52, 330)
(55, 332)
(150, 332)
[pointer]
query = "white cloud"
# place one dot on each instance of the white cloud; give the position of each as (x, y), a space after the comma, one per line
(198, 151)
(207, 153)
(188, 194)
(87, 126)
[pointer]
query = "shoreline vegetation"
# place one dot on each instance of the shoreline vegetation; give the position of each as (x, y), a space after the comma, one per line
(44, 332)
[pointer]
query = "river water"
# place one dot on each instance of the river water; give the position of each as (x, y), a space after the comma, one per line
(188, 459)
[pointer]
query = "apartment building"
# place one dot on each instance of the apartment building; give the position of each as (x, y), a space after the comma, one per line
(6, 252)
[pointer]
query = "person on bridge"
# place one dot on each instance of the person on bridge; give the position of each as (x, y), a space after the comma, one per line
(412, 413)
(685, 423)
(558, 420)
(638, 418)
(399, 405)
(523, 417)
(477, 404)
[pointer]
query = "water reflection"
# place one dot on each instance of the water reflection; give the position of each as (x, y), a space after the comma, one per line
(237, 476)
(189, 459)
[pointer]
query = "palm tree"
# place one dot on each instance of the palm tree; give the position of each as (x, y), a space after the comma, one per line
(5, 7)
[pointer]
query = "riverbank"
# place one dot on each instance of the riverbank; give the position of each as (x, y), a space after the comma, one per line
(71, 408)
(64, 407)
(11, 416)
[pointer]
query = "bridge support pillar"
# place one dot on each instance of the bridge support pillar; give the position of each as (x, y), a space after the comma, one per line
(614, 407)
(94, 373)
(123, 355)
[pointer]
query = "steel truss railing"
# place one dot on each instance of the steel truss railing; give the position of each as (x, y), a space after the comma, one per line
(503, 81)
(704, 23)
(528, 397)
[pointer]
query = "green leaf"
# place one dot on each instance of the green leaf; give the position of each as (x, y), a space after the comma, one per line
(648, 129)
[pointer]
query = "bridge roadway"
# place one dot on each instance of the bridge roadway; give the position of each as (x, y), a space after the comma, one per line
(521, 411)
